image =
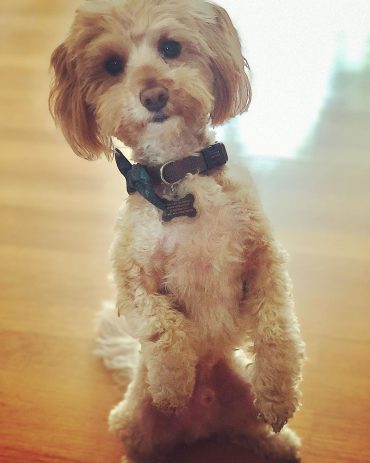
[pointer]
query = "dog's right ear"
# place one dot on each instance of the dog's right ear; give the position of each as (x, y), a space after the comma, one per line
(232, 89)
(70, 110)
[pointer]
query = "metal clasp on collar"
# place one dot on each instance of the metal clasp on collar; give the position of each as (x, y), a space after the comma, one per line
(161, 173)
(183, 167)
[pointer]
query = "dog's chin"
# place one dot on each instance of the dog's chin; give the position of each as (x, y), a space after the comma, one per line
(161, 137)
(164, 124)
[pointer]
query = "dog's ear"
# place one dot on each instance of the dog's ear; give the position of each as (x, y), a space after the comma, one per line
(70, 110)
(232, 90)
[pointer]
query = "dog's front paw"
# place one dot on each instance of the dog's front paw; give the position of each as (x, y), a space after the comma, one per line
(172, 388)
(276, 411)
(171, 377)
(276, 395)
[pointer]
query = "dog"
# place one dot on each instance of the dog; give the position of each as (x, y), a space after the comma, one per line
(203, 290)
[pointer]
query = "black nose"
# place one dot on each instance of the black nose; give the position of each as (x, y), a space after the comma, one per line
(154, 98)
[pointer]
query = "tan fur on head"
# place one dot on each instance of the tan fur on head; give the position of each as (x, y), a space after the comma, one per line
(208, 81)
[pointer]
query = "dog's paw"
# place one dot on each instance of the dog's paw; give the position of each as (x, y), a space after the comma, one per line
(171, 375)
(280, 448)
(275, 412)
(276, 398)
(172, 389)
(116, 418)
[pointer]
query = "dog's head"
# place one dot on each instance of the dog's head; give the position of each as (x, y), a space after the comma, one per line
(139, 69)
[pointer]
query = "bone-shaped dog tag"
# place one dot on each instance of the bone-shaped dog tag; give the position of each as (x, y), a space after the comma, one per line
(181, 208)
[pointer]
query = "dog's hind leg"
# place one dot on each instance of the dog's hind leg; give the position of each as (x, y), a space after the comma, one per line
(148, 433)
(283, 447)
(238, 420)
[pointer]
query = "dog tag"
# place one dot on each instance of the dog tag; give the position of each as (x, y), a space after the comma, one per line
(138, 180)
(181, 208)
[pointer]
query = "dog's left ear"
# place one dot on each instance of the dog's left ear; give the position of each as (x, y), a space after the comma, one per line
(232, 90)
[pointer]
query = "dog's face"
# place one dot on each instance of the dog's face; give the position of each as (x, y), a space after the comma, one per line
(141, 70)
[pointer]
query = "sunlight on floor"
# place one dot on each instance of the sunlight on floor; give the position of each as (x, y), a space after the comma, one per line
(294, 50)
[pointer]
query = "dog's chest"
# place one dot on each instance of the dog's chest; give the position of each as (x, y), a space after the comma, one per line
(201, 260)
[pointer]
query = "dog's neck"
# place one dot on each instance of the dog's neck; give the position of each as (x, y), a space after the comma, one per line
(169, 147)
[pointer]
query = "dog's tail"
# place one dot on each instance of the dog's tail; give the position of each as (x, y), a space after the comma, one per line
(118, 350)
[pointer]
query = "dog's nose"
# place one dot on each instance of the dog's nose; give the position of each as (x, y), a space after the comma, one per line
(155, 98)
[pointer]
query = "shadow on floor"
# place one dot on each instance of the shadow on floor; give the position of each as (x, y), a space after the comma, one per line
(212, 451)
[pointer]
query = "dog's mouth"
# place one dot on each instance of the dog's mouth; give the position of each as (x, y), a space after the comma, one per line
(159, 118)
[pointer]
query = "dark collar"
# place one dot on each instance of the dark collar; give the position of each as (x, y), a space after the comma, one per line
(201, 162)
(143, 179)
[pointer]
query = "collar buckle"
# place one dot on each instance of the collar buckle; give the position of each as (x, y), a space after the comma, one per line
(162, 174)
(172, 172)
(204, 161)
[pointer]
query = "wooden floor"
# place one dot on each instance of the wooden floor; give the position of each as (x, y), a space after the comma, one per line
(56, 222)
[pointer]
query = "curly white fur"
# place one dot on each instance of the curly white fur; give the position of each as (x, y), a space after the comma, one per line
(193, 290)
(118, 350)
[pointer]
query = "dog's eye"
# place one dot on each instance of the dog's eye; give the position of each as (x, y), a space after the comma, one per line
(114, 65)
(169, 48)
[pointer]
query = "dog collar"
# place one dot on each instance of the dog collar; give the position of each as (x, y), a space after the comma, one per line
(202, 162)
(143, 179)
